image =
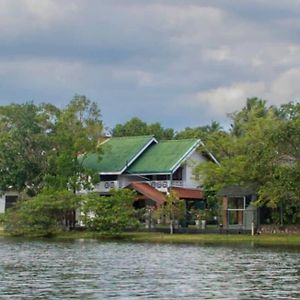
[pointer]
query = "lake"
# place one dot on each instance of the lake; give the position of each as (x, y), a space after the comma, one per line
(89, 269)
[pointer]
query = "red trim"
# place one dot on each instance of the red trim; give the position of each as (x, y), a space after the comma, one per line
(185, 193)
(148, 191)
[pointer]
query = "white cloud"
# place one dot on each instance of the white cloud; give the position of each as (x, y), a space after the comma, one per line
(223, 100)
(286, 87)
(22, 17)
(141, 52)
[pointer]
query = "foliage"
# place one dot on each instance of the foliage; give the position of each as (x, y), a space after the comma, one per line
(200, 132)
(262, 148)
(136, 127)
(23, 143)
(42, 215)
(40, 144)
(171, 211)
(76, 133)
(109, 214)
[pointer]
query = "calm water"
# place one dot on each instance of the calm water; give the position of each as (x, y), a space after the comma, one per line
(95, 270)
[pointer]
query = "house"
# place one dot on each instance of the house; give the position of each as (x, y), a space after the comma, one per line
(239, 211)
(152, 168)
(7, 200)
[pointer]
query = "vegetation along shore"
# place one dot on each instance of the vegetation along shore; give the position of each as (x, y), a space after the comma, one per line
(60, 170)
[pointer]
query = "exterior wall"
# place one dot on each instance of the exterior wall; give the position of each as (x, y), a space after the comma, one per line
(189, 180)
(2, 204)
(125, 180)
(106, 186)
(3, 199)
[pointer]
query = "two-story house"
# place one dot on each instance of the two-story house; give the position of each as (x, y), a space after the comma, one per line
(150, 167)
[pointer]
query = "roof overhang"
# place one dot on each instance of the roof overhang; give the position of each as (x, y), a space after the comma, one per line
(188, 193)
(213, 158)
(188, 153)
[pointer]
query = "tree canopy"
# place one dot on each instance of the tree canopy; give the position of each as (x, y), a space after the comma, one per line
(261, 149)
(43, 148)
(40, 144)
(136, 127)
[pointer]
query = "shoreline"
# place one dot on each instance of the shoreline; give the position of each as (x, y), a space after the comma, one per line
(149, 237)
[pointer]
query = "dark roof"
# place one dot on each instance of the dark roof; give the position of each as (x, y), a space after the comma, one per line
(186, 193)
(237, 191)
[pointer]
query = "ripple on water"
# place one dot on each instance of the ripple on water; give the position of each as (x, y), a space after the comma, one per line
(95, 270)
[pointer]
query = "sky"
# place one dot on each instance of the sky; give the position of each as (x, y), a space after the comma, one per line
(180, 63)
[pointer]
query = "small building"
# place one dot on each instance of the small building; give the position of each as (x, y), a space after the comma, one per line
(238, 210)
(150, 167)
(7, 200)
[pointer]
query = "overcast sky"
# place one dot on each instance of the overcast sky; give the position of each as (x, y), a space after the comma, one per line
(181, 63)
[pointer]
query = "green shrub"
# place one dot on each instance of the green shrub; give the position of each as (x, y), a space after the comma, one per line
(109, 214)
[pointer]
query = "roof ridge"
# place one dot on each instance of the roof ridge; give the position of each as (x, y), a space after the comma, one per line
(181, 140)
(132, 136)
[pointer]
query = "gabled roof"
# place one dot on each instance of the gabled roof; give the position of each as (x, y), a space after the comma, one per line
(118, 154)
(164, 157)
(148, 191)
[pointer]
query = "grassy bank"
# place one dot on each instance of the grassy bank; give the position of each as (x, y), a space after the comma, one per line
(263, 239)
(266, 239)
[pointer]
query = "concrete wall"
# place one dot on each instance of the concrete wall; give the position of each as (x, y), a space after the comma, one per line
(2, 204)
(188, 168)
(3, 199)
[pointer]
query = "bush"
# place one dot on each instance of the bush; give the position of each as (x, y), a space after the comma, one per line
(42, 215)
(109, 214)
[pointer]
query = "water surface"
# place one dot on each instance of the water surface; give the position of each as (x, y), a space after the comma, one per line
(87, 269)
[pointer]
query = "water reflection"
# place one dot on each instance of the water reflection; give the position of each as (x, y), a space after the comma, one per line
(94, 270)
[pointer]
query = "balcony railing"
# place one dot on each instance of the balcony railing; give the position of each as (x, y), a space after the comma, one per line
(106, 186)
(161, 185)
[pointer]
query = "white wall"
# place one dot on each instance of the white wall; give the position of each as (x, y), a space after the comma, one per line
(125, 180)
(2, 199)
(2, 204)
(188, 168)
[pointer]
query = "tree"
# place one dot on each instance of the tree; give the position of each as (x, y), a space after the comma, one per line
(254, 108)
(109, 214)
(262, 150)
(24, 144)
(136, 127)
(42, 215)
(172, 210)
(76, 133)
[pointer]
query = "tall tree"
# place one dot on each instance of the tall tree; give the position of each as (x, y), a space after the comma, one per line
(254, 108)
(262, 149)
(77, 132)
(23, 144)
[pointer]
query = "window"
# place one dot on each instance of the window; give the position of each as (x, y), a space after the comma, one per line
(10, 201)
(162, 177)
(108, 177)
(178, 174)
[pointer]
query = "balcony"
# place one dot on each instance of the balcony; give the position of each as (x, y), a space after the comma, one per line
(106, 186)
(163, 185)
(160, 185)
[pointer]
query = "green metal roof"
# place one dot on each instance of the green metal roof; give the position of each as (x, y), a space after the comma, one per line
(118, 153)
(163, 157)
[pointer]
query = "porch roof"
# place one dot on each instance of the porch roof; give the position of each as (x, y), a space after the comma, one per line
(164, 157)
(186, 193)
(148, 191)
